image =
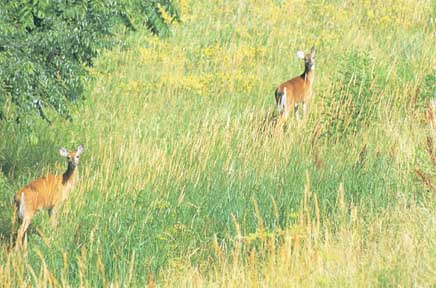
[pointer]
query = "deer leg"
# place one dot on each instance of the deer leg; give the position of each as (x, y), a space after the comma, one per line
(52, 213)
(282, 104)
(279, 106)
(296, 112)
(304, 106)
(25, 241)
(285, 113)
(22, 233)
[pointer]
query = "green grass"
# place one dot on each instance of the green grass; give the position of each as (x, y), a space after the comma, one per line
(180, 154)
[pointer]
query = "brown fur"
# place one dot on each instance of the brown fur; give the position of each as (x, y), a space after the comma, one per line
(45, 193)
(298, 90)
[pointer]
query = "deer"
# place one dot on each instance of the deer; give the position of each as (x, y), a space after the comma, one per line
(298, 89)
(45, 193)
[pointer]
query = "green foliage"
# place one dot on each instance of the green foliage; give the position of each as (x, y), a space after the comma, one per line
(355, 96)
(5, 207)
(45, 47)
(158, 14)
(427, 91)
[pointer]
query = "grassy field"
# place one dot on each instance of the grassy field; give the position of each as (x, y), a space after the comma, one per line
(187, 181)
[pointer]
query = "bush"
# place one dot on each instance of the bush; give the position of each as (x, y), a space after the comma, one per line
(427, 93)
(355, 98)
(46, 45)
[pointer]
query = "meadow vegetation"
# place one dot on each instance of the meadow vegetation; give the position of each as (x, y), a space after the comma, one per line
(187, 181)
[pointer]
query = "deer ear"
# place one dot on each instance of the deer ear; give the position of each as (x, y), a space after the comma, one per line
(312, 52)
(63, 152)
(80, 149)
(300, 54)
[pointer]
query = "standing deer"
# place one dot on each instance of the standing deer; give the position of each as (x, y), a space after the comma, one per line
(45, 193)
(297, 90)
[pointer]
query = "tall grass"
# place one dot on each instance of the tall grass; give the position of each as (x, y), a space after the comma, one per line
(186, 181)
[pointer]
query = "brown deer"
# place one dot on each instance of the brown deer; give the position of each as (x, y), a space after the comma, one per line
(298, 90)
(46, 193)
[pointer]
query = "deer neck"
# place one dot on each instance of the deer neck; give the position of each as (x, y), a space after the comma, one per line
(308, 75)
(70, 174)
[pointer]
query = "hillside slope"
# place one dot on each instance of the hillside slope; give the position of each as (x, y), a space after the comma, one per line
(187, 181)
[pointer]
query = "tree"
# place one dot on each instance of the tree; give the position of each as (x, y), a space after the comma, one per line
(46, 45)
